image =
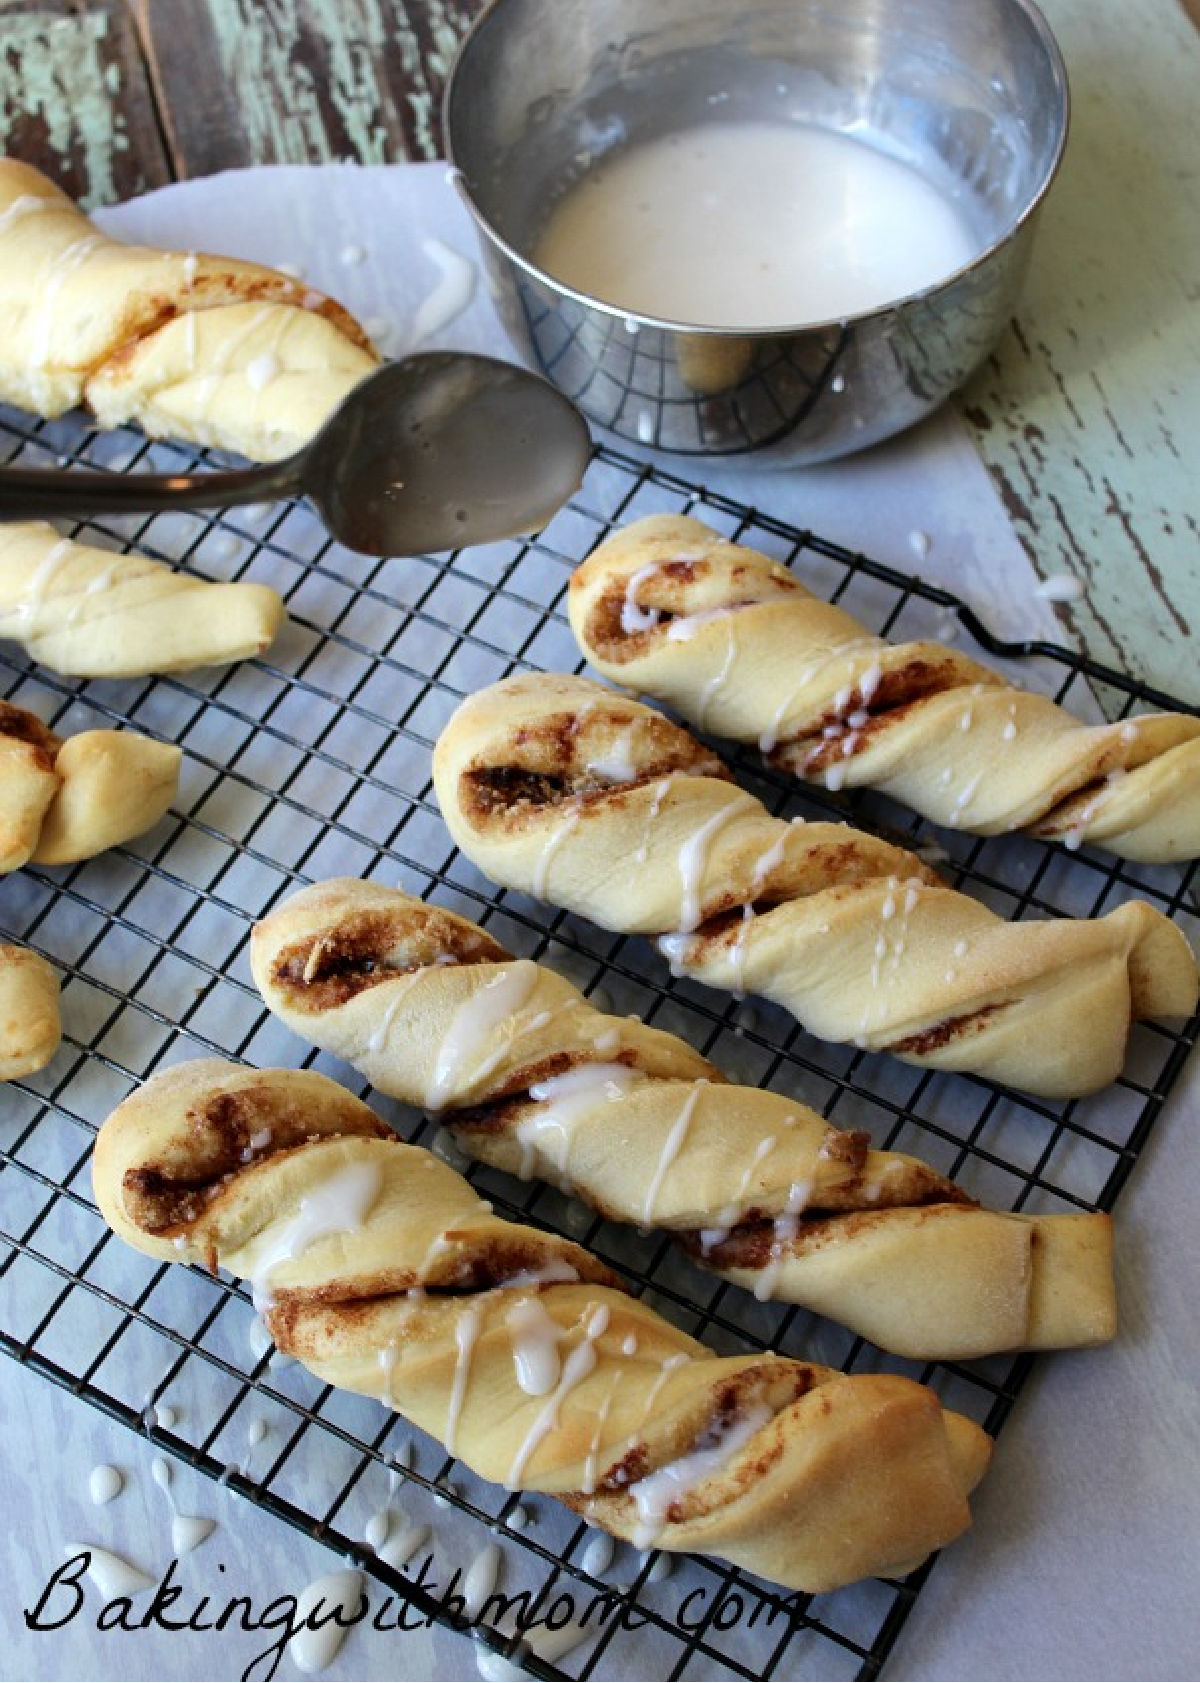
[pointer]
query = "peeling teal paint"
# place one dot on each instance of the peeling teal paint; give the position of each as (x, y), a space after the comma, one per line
(54, 70)
(284, 110)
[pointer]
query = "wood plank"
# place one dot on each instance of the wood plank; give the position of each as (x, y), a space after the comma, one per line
(75, 98)
(301, 81)
(1086, 415)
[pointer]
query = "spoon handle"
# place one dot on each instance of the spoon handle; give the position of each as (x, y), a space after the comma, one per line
(38, 493)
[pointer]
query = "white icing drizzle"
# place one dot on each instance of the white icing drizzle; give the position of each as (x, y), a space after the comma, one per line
(564, 1100)
(112, 1574)
(589, 1465)
(26, 204)
(551, 1645)
(616, 764)
(105, 1483)
(466, 1332)
(68, 260)
(403, 1543)
(768, 739)
(382, 1027)
(656, 804)
(481, 1578)
(555, 1272)
(693, 858)
(685, 626)
(502, 996)
(672, 1146)
(655, 1495)
(314, 1650)
(598, 1555)
(188, 1531)
(535, 1336)
(633, 618)
(738, 953)
(454, 290)
(786, 1226)
(580, 1363)
(341, 1205)
(518, 1520)
(675, 949)
(378, 1529)
(387, 1367)
(965, 796)
(494, 1668)
(714, 685)
(679, 1359)
(711, 1237)
(39, 588)
(261, 1342)
(541, 872)
(261, 370)
(661, 1567)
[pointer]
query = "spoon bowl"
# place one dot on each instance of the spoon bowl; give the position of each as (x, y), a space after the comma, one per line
(442, 449)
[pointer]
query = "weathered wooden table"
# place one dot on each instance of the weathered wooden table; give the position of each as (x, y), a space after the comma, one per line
(1089, 420)
(1087, 415)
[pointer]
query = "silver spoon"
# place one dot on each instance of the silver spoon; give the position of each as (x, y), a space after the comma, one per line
(437, 451)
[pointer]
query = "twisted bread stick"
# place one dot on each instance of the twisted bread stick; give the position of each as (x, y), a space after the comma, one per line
(29, 1023)
(563, 789)
(382, 1271)
(736, 644)
(211, 349)
(65, 801)
(534, 1080)
(92, 614)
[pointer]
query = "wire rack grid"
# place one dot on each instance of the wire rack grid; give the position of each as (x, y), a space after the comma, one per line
(315, 761)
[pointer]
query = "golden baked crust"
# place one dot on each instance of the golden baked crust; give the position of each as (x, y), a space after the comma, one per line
(534, 1080)
(381, 1270)
(62, 801)
(29, 1022)
(210, 349)
(735, 643)
(564, 789)
(88, 613)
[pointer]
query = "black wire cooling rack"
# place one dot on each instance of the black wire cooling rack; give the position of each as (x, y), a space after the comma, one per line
(315, 761)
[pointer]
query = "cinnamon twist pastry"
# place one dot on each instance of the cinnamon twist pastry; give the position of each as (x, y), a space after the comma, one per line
(29, 1022)
(381, 1270)
(210, 349)
(735, 643)
(62, 801)
(89, 613)
(563, 789)
(534, 1080)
